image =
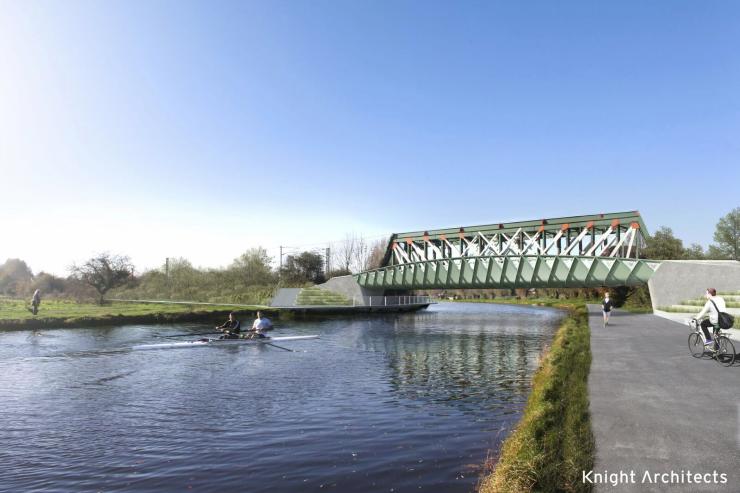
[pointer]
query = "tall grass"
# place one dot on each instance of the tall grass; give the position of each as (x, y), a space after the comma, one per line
(553, 443)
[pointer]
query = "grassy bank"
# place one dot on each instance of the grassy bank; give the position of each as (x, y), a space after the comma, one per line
(553, 443)
(14, 314)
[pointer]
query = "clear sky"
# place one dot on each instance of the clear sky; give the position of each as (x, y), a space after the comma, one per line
(200, 129)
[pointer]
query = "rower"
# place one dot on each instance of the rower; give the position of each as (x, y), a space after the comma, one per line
(260, 325)
(232, 328)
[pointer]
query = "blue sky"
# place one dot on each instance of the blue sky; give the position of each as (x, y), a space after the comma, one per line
(200, 129)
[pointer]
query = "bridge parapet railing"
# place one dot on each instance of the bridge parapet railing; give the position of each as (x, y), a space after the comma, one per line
(391, 300)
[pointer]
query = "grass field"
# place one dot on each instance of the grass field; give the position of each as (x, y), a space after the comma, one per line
(16, 313)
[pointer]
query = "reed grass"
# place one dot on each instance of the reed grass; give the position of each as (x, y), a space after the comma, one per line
(553, 442)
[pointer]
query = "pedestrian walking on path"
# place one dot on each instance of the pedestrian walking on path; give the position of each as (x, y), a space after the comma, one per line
(606, 308)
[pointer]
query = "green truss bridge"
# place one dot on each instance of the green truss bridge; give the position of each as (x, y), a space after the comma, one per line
(579, 251)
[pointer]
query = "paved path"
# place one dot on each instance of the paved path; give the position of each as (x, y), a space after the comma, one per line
(683, 318)
(655, 408)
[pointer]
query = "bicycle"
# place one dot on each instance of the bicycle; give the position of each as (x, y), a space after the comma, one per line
(721, 349)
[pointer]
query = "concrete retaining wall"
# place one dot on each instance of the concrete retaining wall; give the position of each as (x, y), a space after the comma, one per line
(679, 280)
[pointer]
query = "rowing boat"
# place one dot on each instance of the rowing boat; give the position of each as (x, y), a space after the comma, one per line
(222, 342)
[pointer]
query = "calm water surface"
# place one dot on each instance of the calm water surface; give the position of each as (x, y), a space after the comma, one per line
(397, 403)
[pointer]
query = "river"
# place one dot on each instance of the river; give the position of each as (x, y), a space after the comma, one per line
(391, 403)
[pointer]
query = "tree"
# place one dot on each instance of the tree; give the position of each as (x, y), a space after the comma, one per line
(664, 246)
(14, 276)
(727, 237)
(345, 253)
(377, 253)
(694, 252)
(184, 280)
(104, 272)
(352, 254)
(305, 267)
(48, 283)
(253, 267)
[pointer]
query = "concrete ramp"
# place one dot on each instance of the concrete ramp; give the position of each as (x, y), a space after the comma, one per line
(285, 297)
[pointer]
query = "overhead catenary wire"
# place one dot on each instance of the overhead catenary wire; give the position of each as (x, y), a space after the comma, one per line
(321, 244)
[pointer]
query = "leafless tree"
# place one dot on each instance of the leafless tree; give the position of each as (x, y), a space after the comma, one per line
(376, 254)
(355, 254)
(345, 252)
(104, 272)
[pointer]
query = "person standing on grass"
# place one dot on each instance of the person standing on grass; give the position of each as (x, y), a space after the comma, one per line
(606, 308)
(36, 301)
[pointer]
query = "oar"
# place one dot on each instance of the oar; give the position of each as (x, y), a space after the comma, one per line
(279, 347)
(190, 334)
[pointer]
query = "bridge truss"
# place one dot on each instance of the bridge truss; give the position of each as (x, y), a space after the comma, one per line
(580, 251)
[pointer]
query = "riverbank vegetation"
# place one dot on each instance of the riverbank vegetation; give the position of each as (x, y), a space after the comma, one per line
(553, 442)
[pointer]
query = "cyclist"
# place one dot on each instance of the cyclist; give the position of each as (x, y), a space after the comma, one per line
(712, 307)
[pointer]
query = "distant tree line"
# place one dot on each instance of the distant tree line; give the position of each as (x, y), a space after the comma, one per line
(663, 245)
(250, 278)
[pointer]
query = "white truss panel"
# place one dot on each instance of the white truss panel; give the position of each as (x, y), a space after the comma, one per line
(511, 243)
(491, 245)
(437, 253)
(629, 247)
(401, 256)
(553, 242)
(454, 249)
(599, 242)
(576, 241)
(419, 252)
(532, 242)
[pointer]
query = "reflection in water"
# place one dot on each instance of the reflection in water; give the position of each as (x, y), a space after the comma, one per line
(402, 402)
(472, 361)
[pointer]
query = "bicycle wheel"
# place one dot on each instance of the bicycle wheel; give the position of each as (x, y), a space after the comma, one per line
(726, 351)
(696, 345)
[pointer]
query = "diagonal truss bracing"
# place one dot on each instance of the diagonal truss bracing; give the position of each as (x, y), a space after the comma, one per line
(616, 235)
(578, 251)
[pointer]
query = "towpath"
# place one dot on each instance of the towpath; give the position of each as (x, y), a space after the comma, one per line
(655, 408)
